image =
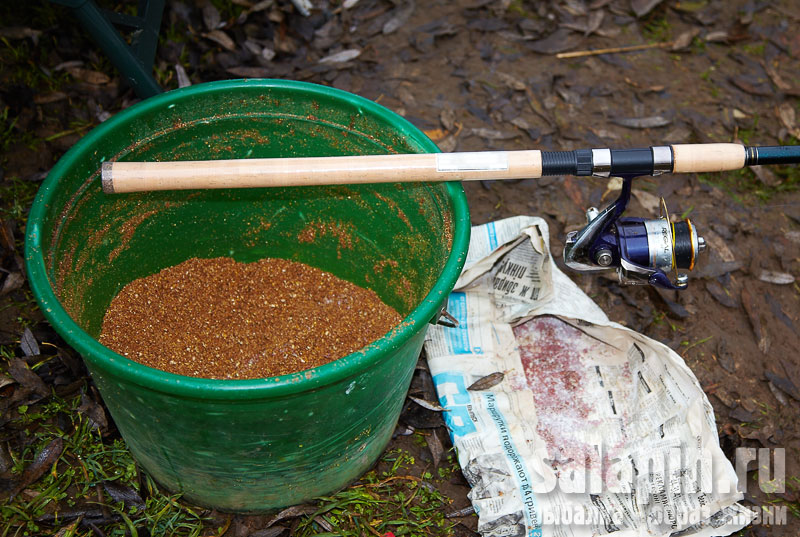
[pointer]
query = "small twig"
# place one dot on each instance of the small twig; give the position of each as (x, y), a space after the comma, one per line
(98, 488)
(224, 528)
(613, 50)
(61, 134)
(372, 530)
(695, 344)
(390, 479)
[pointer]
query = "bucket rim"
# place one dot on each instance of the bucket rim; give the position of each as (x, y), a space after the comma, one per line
(203, 388)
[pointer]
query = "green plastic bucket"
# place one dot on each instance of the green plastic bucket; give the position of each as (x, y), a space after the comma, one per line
(249, 445)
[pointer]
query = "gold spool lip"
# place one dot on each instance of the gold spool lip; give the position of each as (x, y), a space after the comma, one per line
(665, 216)
(692, 240)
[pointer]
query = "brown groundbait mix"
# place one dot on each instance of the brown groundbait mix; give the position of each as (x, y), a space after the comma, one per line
(217, 318)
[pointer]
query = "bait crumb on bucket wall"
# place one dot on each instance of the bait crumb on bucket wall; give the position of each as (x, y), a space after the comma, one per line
(218, 318)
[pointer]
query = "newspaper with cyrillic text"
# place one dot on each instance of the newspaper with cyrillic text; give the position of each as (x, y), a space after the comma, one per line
(594, 430)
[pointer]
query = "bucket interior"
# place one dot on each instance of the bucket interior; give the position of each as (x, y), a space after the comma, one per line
(392, 238)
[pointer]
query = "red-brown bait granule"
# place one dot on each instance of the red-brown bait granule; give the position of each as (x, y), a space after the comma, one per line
(217, 318)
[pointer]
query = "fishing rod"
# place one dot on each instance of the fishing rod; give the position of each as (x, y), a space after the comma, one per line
(643, 251)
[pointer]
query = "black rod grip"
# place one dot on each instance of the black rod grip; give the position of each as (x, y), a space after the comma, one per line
(578, 162)
(559, 163)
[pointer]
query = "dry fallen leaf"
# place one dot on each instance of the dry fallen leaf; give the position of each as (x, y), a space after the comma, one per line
(125, 494)
(778, 278)
(427, 404)
(576, 8)
(559, 41)
(221, 38)
(765, 175)
(51, 97)
(720, 294)
(484, 383)
(28, 343)
(436, 448)
(614, 184)
(268, 54)
(399, 19)
(493, 134)
(779, 82)
(304, 7)
(435, 134)
(647, 200)
(751, 84)
(719, 36)
(784, 384)
(342, 56)
(21, 372)
(448, 119)
(211, 17)
(63, 66)
(249, 72)
(95, 78)
(719, 245)
(643, 7)
(292, 512)
(406, 96)
(594, 22)
(448, 144)
(261, 6)
(683, 41)
(788, 117)
(753, 313)
(40, 465)
(183, 78)
(642, 122)
(12, 282)
(511, 81)
(19, 32)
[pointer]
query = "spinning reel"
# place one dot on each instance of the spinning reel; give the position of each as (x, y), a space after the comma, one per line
(643, 251)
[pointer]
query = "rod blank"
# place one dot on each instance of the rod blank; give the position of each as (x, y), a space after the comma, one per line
(776, 154)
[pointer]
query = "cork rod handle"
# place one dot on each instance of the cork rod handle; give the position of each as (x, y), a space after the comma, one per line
(701, 158)
(120, 177)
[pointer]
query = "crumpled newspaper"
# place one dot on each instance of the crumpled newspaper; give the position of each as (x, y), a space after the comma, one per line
(594, 429)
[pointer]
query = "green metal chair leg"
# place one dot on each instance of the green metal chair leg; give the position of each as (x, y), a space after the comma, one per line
(134, 61)
(147, 39)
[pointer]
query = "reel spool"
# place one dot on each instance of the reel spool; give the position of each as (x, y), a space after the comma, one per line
(643, 251)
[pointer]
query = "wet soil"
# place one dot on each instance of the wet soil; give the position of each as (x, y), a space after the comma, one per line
(479, 75)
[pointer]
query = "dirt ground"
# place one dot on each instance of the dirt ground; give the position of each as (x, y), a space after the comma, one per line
(474, 75)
